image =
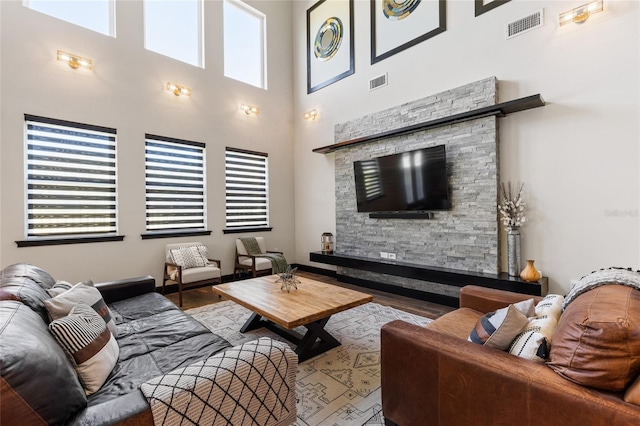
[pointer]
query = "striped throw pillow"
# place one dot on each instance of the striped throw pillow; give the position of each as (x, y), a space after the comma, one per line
(498, 329)
(61, 305)
(84, 336)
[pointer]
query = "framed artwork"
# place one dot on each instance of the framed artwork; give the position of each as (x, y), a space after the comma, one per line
(483, 6)
(397, 25)
(329, 43)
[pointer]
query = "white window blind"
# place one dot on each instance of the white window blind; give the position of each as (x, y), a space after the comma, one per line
(247, 200)
(71, 179)
(175, 184)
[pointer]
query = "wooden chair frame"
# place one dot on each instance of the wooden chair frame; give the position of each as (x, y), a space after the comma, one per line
(185, 286)
(250, 268)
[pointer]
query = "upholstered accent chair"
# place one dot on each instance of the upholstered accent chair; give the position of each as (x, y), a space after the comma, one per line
(254, 265)
(188, 265)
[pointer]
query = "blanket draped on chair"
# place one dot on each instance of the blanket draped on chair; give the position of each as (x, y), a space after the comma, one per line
(278, 262)
(250, 384)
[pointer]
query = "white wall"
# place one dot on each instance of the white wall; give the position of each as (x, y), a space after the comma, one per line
(125, 91)
(578, 156)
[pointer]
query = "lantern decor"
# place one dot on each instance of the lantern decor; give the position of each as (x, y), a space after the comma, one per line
(327, 243)
(288, 279)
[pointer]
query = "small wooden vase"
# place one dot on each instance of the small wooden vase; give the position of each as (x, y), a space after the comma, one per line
(530, 273)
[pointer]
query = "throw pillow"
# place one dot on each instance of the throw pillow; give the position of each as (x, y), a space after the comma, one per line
(86, 339)
(204, 252)
(61, 305)
(534, 342)
(597, 341)
(61, 286)
(498, 329)
(188, 257)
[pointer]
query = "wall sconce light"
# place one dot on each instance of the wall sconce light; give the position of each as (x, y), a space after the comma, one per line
(75, 61)
(178, 89)
(581, 13)
(310, 115)
(249, 109)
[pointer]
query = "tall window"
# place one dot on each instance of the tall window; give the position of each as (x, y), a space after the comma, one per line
(71, 179)
(174, 28)
(96, 15)
(246, 189)
(245, 43)
(175, 185)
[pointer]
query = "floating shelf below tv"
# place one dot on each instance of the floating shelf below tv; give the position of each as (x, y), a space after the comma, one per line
(452, 277)
(499, 110)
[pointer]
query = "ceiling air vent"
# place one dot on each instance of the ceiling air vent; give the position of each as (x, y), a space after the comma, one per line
(377, 82)
(525, 24)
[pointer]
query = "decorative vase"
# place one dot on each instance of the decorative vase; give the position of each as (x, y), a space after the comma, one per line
(530, 273)
(513, 252)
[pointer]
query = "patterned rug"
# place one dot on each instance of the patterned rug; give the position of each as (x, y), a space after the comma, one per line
(339, 387)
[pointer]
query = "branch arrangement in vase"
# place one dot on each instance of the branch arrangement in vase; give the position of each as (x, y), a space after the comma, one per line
(511, 207)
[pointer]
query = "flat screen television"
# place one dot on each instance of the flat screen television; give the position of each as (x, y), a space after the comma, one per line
(409, 181)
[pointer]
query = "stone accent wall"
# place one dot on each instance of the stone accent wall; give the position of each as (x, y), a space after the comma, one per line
(464, 237)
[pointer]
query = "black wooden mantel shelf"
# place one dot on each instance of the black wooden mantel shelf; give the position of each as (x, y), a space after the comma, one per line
(452, 277)
(499, 110)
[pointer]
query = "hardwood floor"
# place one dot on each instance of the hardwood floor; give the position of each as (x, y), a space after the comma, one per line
(197, 297)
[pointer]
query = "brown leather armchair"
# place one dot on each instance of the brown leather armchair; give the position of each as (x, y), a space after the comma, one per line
(433, 376)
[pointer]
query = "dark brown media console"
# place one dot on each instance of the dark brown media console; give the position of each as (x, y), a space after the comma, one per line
(452, 277)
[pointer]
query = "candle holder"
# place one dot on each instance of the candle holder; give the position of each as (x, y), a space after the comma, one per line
(327, 243)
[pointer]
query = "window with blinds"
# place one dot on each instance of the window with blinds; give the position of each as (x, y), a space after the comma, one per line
(71, 179)
(247, 199)
(175, 185)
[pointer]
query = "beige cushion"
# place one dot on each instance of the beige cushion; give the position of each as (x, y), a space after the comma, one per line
(198, 274)
(261, 263)
(498, 329)
(86, 339)
(243, 251)
(61, 305)
(597, 341)
(61, 286)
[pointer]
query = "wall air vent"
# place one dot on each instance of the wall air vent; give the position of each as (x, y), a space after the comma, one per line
(378, 82)
(525, 24)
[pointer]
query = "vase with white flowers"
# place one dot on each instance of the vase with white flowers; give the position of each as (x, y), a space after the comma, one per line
(512, 216)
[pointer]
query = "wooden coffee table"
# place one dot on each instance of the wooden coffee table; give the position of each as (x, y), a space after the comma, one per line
(311, 306)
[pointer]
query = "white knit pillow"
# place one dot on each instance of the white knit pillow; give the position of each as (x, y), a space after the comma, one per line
(188, 257)
(534, 342)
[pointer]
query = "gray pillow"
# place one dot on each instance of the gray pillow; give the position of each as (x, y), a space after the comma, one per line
(61, 305)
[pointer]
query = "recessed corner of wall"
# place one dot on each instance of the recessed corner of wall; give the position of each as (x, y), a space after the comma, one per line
(523, 25)
(378, 82)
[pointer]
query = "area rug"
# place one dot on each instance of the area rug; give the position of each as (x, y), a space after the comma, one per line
(338, 387)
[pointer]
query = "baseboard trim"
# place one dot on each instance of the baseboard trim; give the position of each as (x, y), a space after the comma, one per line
(401, 291)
